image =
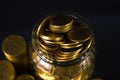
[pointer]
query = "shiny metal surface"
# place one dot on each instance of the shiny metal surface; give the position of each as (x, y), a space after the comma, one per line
(25, 77)
(7, 70)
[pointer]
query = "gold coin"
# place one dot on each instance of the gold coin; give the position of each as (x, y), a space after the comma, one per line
(14, 46)
(7, 71)
(50, 36)
(23, 60)
(42, 26)
(49, 47)
(87, 46)
(47, 54)
(17, 59)
(67, 51)
(64, 59)
(79, 34)
(63, 56)
(25, 77)
(60, 24)
(69, 45)
(54, 42)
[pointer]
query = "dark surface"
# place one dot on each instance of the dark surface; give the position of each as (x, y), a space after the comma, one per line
(19, 17)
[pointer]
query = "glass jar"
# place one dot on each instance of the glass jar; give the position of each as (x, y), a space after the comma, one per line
(49, 66)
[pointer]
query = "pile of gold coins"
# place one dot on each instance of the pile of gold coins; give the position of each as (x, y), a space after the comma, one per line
(15, 50)
(64, 38)
(7, 71)
(17, 63)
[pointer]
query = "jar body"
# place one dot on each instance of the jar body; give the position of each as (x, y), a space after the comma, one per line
(79, 71)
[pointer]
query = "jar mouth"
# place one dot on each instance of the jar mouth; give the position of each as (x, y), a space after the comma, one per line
(42, 54)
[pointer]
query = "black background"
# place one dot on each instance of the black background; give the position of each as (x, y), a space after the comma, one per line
(19, 17)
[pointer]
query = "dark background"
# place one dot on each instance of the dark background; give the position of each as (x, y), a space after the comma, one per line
(19, 17)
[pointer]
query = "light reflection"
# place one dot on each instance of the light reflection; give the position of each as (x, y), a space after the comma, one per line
(46, 65)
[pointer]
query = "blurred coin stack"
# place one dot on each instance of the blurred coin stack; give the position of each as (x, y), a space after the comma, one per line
(7, 71)
(15, 50)
(25, 77)
(64, 38)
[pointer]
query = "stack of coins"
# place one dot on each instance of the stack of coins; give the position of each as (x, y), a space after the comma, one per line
(7, 71)
(25, 77)
(64, 38)
(15, 50)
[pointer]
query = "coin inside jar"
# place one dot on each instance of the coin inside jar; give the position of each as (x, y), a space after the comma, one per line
(25, 77)
(87, 46)
(60, 24)
(7, 71)
(49, 47)
(69, 45)
(68, 55)
(79, 34)
(50, 36)
(42, 24)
